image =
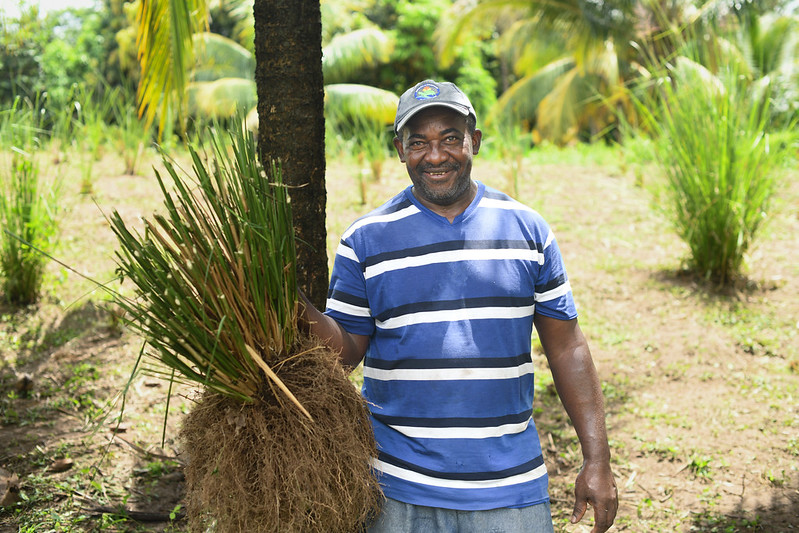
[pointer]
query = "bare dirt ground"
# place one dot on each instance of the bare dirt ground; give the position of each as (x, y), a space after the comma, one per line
(702, 387)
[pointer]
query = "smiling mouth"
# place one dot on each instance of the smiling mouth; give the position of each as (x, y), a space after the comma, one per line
(439, 173)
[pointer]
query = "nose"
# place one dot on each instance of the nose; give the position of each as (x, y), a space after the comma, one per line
(435, 155)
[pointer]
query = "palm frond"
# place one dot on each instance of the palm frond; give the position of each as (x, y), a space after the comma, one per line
(238, 9)
(558, 111)
(222, 98)
(604, 64)
(464, 20)
(528, 46)
(164, 43)
(347, 53)
(521, 100)
(776, 44)
(351, 100)
(219, 57)
(688, 72)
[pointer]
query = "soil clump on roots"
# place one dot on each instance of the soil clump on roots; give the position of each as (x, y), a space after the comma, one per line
(266, 467)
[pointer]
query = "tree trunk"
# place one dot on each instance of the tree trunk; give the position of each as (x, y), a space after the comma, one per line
(288, 76)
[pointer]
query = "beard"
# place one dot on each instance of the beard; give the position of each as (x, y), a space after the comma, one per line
(437, 195)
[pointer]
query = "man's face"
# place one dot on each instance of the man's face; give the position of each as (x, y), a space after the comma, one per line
(437, 150)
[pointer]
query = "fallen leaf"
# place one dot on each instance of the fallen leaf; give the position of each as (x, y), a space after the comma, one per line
(9, 488)
(61, 465)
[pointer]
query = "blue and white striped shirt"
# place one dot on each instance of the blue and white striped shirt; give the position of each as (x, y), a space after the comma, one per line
(448, 372)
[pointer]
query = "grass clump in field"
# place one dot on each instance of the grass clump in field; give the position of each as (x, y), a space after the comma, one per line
(28, 211)
(720, 156)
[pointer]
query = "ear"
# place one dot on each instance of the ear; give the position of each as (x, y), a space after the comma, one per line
(477, 138)
(400, 149)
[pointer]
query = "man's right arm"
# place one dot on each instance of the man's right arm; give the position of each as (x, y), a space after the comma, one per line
(351, 347)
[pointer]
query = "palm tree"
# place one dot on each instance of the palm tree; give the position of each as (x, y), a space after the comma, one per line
(565, 54)
(770, 45)
(572, 59)
(291, 126)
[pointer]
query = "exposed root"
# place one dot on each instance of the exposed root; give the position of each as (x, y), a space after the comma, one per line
(266, 467)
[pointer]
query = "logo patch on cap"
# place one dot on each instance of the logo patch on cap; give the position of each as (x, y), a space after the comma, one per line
(426, 92)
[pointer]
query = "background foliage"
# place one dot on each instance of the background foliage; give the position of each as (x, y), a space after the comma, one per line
(536, 74)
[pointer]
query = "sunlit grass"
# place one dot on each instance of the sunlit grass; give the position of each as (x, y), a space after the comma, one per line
(721, 164)
(28, 204)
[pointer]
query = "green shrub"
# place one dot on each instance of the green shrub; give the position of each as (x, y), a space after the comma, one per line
(721, 164)
(27, 206)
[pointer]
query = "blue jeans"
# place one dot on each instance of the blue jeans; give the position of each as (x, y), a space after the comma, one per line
(400, 517)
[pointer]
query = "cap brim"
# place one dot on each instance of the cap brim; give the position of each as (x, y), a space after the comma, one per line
(404, 120)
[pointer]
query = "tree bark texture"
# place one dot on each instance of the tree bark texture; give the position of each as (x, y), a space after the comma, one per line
(288, 76)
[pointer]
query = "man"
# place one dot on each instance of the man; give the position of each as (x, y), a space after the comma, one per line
(439, 289)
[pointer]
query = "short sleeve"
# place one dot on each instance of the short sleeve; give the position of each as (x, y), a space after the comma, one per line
(347, 301)
(553, 295)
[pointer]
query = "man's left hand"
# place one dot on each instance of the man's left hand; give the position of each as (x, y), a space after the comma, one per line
(595, 485)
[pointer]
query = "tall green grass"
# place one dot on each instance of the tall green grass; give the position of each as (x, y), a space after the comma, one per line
(93, 113)
(28, 204)
(509, 144)
(130, 134)
(719, 159)
(362, 137)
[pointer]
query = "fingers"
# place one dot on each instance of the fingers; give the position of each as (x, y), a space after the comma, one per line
(596, 487)
(580, 507)
(603, 518)
(605, 508)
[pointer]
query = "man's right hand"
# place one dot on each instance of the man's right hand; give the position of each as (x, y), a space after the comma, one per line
(595, 485)
(351, 347)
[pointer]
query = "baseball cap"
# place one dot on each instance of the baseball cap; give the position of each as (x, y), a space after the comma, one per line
(431, 93)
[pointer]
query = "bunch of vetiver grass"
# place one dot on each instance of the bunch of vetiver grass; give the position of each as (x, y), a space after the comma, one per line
(721, 167)
(28, 204)
(279, 440)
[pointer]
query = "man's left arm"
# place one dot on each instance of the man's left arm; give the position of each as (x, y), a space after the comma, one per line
(578, 386)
